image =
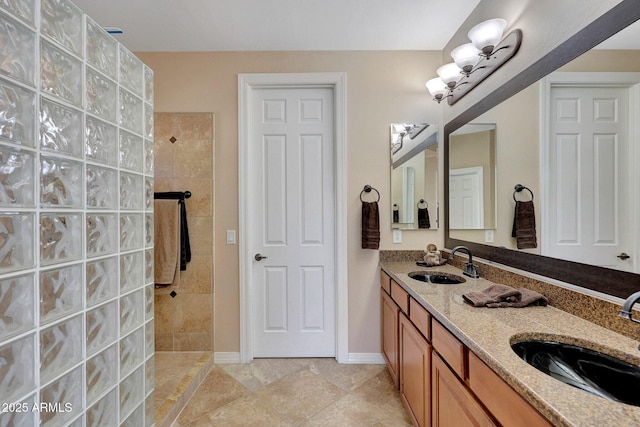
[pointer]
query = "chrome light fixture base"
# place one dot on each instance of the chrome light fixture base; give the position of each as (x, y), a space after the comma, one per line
(503, 52)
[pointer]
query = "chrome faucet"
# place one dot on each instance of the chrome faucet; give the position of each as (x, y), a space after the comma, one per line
(628, 305)
(469, 269)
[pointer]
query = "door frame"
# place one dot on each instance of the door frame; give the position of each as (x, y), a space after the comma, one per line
(629, 80)
(247, 83)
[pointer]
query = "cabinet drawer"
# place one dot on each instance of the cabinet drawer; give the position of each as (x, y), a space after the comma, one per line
(385, 282)
(400, 296)
(420, 317)
(448, 346)
(506, 405)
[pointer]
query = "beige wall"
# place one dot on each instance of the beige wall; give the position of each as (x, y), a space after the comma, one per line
(382, 88)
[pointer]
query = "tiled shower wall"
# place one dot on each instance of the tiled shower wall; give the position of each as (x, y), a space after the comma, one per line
(76, 222)
(184, 161)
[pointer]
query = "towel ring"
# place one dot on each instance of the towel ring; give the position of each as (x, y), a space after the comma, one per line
(422, 201)
(518, 188)
(367, 189)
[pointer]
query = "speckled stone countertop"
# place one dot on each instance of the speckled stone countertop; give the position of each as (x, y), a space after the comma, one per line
(489, 332)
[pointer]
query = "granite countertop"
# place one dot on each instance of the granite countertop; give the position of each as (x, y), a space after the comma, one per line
(489, 332)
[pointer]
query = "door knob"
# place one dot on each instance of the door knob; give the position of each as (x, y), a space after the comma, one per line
(623, 256)
(259, 257)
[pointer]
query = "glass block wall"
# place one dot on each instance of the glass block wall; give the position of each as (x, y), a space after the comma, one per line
(76, 222)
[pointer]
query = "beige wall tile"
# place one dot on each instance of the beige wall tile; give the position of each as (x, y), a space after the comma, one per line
(193, 341)
(197, 279)
(192, 313)
(164, 342)
(193, 159)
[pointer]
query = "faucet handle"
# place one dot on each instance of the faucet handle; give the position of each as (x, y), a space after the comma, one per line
(471, 270)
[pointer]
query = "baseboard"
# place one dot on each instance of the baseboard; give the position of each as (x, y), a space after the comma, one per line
(226, 358)
(366, 358)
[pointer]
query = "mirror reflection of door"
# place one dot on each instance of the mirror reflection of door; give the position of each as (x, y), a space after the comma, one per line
(466, 201)
(589, 176)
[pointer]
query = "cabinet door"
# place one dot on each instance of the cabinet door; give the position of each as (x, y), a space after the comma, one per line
(389, 319)
(415, 372)
(452, 404)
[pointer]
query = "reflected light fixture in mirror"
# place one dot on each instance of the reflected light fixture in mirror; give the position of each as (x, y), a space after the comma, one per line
(475, 61)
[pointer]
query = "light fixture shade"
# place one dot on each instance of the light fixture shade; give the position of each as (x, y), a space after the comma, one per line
(449, 73)
(487, 34)
(436, 87)
(465, 56)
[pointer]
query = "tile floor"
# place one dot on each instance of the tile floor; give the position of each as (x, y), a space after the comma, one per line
(294, 392)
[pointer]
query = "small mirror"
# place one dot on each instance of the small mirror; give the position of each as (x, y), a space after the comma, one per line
(472, 177)
(414, 176)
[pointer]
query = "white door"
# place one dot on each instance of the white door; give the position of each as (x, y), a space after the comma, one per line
(293, 222)
(466, 207)
(589, 176)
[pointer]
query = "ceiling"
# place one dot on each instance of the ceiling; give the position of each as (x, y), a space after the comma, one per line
(253, 25)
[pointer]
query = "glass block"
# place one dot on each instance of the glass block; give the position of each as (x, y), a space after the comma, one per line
(17, 376)
(131, 311)
(131, 271)
(17, 305)
(148, 121)
(131, 192)
(17, 114)
(60, 128)
(101, 96)
(18, 50)
(102, 280)
(131, 351)
(149, 268)
(102, 187)
(17, 245)
(101, 141)
(130, 112)
(17, 178)
(102, 372)
(22, 418)
(62, 21)
(148, 84)
(149, 411)
(149, 339)
(104, 412)
(102, 49)
(148, 157)
(60, 182)
(102, 327)
(148, 194)
(148, 230)
(60, 292)
(131, 232)
(135, 419)
(60, 74)
(149, 375)
(131, 392)
(131, 70)
(131, 151)
(102, 232)
(25, 9)
(66, 392)
(60, 237)
(60, 348)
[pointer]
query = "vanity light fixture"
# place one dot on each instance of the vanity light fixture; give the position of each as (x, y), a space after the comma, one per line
(475, 61)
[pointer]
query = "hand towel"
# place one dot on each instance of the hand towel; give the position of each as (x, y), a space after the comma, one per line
(524, 225)
(527, 298)
(185, 245)
(166, 242)
(493, 294)
(370, 225)
(423, 218)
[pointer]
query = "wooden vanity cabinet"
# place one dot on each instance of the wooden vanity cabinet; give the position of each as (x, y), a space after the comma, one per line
(415, 372)
(389, 319)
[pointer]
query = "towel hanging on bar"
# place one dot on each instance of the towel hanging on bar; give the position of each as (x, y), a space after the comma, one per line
(185, 245)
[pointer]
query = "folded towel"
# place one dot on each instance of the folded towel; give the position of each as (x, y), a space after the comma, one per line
(166, 242)
(493, 294)
(423, 218)
(527, 298)
(524, 225)
(370, 225)
(497, 296)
